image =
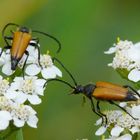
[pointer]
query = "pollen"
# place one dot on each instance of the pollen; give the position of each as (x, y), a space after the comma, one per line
(27, 86)
(46, 61)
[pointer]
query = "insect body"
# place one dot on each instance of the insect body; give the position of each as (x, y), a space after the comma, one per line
(104, 91)
(20, 40)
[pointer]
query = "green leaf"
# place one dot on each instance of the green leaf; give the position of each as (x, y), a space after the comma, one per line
(1, 138)
(123, 72)
(19, 134)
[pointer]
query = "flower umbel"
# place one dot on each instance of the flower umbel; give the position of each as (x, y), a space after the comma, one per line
(127, 56)
(19, 93)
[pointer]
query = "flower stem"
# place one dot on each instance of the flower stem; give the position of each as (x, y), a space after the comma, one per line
(19, 135)
(135, 136)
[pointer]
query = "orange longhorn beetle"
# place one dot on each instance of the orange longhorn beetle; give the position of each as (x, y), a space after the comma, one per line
(104, 91)
(20, 41)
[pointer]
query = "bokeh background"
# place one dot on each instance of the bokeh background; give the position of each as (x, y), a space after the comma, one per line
(86, 28)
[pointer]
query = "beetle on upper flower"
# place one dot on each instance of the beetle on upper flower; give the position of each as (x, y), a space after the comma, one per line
(20, 40)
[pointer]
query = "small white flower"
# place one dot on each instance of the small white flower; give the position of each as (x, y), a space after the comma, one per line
(29, 89)
(5, 117)
(47, 69)
(24, 113)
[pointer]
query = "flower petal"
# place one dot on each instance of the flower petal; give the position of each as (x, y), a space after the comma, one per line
(99, 121)
(48, 73)
(34, 99)
(11, 94)
(40, 82)
(4, 124)
(32, 70)
(18, 122)
(111, 50)
(135, 129)
(57, 71)
(136, 111)
(100, 131)
(125, 137)
(6, 69)
(20, 98)
(5, 115)
(133, 53)
(123, 104)
(134, 75)
(32, 121)
(116, 131)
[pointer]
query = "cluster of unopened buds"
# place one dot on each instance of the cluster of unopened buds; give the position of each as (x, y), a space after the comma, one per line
(19, 92)
(120, 125)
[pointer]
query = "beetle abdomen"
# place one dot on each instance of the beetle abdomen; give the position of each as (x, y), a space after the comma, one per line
(109, 91)
(109, 94)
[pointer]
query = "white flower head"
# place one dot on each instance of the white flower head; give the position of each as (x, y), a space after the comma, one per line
(27, 88)
(119, 122)
(24, 113)
(47, 69)
(127, 56)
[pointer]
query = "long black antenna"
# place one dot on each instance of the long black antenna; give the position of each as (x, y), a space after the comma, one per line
(60, 81)
(50, 36)
(66, 70)
(9, 24)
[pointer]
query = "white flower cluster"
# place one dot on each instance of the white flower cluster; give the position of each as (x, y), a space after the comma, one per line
(127, 56)
(120, 125)
(18, 94)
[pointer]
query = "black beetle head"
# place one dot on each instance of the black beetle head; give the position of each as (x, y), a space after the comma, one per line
(78, 89)
(24, 29)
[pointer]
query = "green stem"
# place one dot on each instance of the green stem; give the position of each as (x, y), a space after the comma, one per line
(19, 135)
(135, 136)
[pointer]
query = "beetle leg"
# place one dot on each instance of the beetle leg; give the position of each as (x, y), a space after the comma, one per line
(27, 53)
(99, 111)
(113, 103)
(127, 86)
(5, 48)
(36, 46)
(93, 109)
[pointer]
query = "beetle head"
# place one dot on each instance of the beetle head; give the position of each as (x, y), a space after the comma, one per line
(78, 89)
(24, 29)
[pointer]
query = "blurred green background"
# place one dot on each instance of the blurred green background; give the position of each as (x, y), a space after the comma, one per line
(86, 28)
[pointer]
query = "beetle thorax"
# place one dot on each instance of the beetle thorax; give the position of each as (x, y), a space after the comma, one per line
(88, 90)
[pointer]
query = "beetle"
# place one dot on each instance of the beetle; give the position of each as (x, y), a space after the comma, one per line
(20, 40)
(101, 91)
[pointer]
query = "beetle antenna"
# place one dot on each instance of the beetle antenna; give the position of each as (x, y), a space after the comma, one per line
(5, 27)
(50, 36)
(66, 70)
(62, 81)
